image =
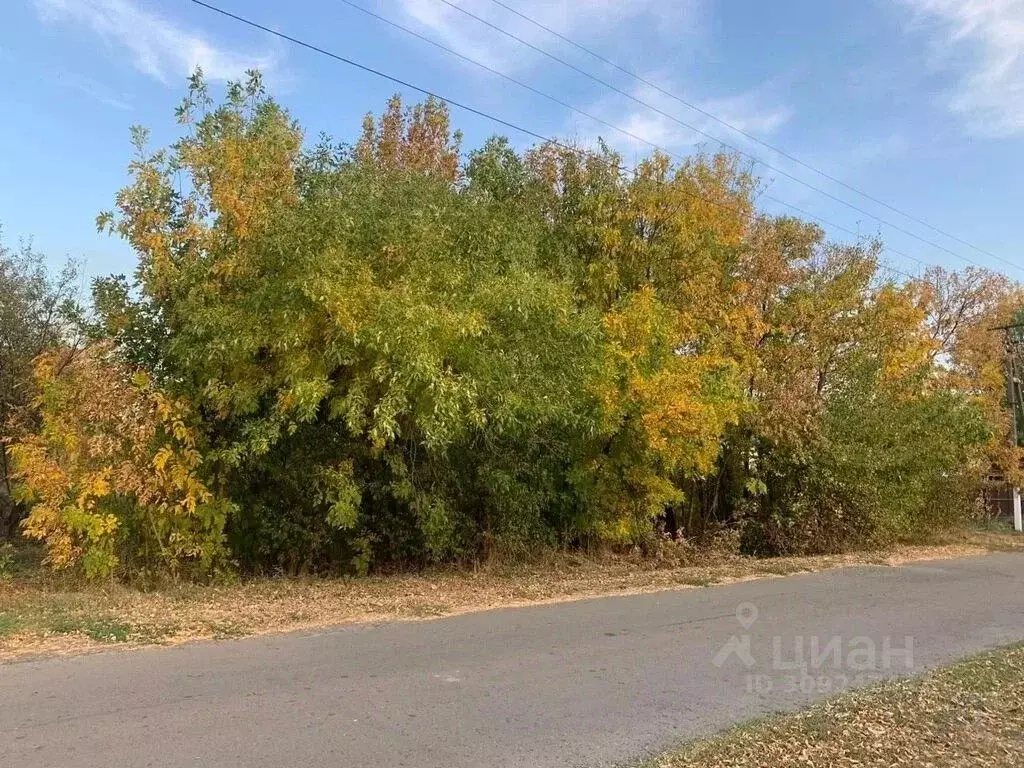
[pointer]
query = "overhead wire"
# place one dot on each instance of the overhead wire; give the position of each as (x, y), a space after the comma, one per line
(746, 134)
(711, 137)
(582, 112)
(481, 113)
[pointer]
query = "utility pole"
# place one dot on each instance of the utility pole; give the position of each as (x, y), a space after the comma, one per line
(1018, 523)
(1016, 403)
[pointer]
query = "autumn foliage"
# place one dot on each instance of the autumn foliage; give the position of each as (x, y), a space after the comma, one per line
(344, 357)
(113, 468)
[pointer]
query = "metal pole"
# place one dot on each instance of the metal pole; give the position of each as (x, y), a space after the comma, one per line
(1015, 404)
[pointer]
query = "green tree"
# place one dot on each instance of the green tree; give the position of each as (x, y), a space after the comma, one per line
(383, 356)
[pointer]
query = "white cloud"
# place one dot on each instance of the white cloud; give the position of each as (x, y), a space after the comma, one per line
(455, 31)
(985, 40)
(747, 112)
(753, 112)
(159, 48)
(581, 20)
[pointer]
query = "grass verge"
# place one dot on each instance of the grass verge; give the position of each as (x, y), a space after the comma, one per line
(44, 614)
(969, 714)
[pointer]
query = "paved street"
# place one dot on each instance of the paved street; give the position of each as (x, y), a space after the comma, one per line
(592, 682)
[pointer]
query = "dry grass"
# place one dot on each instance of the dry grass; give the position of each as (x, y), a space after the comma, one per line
(43, 615)
(969, 714)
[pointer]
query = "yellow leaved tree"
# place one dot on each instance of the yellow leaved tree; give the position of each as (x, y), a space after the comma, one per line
(113, 471)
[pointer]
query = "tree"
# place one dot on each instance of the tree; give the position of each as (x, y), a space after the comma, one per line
(37, 313)
(112, 471)
(418, 140)
(965, 309)
(855, 430)
(377, 355)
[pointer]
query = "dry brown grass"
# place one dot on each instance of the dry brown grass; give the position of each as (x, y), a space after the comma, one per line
(969, 714)
(43, 615)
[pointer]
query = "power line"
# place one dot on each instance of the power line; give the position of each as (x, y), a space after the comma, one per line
(746, 134)
(841, 228)
(509, 78)
(466, 107)
(707, 135)
(827, 223)
(582, 112)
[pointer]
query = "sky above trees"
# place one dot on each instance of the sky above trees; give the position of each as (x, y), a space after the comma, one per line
(917, 101)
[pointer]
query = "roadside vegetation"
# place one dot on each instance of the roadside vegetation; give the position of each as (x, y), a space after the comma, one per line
(386, 356)
(43, 612)
(968, 714)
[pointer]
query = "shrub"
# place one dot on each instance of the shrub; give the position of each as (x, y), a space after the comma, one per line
(113, 474)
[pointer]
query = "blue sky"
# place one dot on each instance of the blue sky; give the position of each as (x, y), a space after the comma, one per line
(918, 102)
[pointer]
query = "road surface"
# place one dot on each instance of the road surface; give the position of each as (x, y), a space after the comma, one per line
(593, 682)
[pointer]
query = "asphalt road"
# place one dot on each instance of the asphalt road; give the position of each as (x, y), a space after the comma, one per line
(583, 683)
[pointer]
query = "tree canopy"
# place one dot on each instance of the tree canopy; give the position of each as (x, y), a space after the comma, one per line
(381, 354)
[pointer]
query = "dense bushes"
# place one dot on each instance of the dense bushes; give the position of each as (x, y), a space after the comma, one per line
(338, 359)
(38, 312)
(112, 470)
